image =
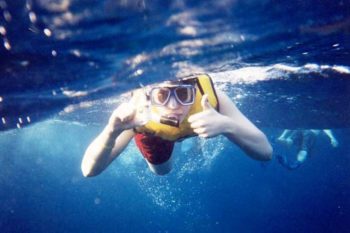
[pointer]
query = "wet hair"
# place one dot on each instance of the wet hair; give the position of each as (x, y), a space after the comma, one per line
(182, 80)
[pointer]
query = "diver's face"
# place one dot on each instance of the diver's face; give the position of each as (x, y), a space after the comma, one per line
(173, 101)
(173, 109)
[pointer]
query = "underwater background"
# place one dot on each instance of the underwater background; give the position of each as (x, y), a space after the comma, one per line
(65, 65)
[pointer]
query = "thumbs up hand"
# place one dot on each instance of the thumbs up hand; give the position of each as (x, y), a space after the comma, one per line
(131, 114)
(208, 123)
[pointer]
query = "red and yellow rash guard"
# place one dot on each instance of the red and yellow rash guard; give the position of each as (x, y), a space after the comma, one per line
(156, 141)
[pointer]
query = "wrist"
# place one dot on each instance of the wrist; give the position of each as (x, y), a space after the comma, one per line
(113, 130)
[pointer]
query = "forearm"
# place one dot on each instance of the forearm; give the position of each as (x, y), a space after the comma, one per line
(331, 137)
(284, 134)
(242, 131)
(111, 141)
(99, 153)
(329, 134)
(249, 138)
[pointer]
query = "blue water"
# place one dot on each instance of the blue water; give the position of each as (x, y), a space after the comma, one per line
(65, 64)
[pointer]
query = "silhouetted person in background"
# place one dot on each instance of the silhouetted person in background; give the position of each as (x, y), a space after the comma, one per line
(304, 140)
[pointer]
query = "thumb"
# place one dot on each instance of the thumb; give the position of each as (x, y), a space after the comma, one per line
(205, 102)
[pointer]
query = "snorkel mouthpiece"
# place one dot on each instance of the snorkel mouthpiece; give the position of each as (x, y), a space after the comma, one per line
(169, 121)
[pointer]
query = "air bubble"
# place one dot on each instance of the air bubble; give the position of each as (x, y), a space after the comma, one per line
(2, 30)
(7, 44)
(47, 32)
(32, 17)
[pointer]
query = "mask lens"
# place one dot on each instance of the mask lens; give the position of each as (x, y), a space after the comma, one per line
(184, 94)
(160, 95)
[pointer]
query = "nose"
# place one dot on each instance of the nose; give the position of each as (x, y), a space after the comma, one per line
(172, 103)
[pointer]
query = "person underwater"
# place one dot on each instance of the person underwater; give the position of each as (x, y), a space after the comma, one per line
(304, 141)
(158, 116)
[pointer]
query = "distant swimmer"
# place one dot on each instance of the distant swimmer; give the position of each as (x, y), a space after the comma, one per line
(159, 115)
(304, 140)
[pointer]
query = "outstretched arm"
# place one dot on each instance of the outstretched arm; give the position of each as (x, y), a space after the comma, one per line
(233, 124)
(243, 132)
(114, 137)
(286, 137)
(284, 134)
(104, 149)
(331, 137)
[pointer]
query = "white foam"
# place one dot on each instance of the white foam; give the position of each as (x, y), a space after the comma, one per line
(242, 75)
(342, 69)
(253, 74)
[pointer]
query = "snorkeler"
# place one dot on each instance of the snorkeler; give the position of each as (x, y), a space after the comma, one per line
(159, 115)
(304, 140)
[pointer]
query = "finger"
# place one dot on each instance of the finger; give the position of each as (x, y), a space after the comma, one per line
(116, 116)
(205, 102)
(126, 115)
(128, 118)
(196, 117)
(142, 117)
(204, 135)
(199, 131)
(197, 124)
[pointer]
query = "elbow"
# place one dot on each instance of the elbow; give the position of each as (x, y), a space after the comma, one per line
(267, 150)
(263, 153)
(88, 171)
(267, 154)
